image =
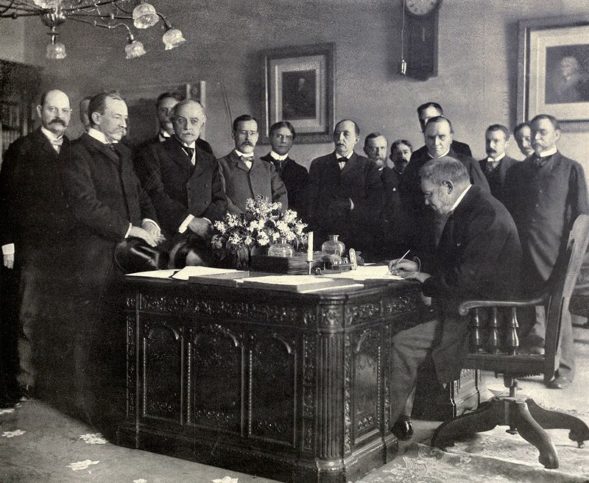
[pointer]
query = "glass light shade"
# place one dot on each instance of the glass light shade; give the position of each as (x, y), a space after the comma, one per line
(145, 16)
(173, 38)
(47, 3)
(56, 51)
(134, 49)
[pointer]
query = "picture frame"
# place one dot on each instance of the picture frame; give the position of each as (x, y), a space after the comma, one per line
(553, 69)
(141, 98)
(299, 87)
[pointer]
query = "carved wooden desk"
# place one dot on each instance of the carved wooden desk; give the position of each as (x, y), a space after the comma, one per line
(288, 386)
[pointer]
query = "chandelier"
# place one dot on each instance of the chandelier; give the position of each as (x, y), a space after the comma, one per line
(106, 14)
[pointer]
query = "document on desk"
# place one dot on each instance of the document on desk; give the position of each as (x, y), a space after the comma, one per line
(367, 273)
(168, 273)
(188, 272)
(295, 283)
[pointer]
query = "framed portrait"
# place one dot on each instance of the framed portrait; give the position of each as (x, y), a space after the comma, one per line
(141, 99)
(299, 87)
(554, 68)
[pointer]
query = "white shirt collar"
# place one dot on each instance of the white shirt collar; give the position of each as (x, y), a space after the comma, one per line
(550, 152)
(462, 195)
(243, 155)
(163, 135)
(497, 159)
(347, 155)
(50, 135)
(98, 135)
(445, 154)
(278, 157)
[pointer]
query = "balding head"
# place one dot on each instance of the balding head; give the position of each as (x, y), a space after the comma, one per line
(345, 136)
(54, 111)
(188, 118)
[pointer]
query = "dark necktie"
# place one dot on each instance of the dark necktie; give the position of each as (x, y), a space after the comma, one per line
(491, 165)
(189, 152)
(279, 165)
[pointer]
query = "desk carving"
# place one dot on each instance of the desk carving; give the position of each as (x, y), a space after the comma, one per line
(289, 386)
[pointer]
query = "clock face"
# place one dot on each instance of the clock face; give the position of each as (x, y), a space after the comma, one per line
(421, 7)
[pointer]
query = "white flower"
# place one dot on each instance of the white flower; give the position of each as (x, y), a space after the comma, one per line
(234, 239)
(220, 226)
(93, 438)
(82, 465)
(248, 240)
(263, 239)
(290, 216)
(283, 227)
(275, 236)
(12, 434)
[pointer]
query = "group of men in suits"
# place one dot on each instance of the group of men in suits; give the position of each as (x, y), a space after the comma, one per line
(457, 213)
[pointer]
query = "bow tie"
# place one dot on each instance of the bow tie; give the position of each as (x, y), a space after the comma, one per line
(57, 141)
(343, 159)
(246, 159)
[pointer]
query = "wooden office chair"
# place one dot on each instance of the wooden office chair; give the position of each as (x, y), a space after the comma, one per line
(495, 348)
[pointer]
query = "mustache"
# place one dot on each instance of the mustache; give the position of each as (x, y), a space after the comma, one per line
(58, 121)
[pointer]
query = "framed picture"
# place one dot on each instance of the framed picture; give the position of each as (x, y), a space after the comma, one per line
(554, 68)
(141, 99)
(299, 87)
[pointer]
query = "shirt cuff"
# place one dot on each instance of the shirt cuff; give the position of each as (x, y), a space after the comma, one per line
(128, 230)
(351, 204)
(184, 226)
(8, 249)
(149, 220)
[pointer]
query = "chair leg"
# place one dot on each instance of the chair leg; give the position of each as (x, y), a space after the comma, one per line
(483, 419)
(578, 430)
(532, 432)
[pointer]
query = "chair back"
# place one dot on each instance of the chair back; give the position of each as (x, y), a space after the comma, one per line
(495, 348)
(563, 282)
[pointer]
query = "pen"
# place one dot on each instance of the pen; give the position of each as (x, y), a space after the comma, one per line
(399, 260)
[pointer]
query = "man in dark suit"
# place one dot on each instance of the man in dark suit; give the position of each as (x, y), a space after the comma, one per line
(391, 176)
(478, 257)
(245, 177)
(345, 193)
(424, 227)
(546, 193)
(35, 230)
(375, 148)
(109, 206)
(164, 106)
(497, 164)
(427, 111)
(295, 176)
(182, 180)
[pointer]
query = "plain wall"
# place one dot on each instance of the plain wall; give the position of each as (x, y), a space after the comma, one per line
(476, 82)
(12, 40)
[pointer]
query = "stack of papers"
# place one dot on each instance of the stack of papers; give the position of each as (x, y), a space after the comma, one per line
(368, 273)
(188, 272)
(298, 283)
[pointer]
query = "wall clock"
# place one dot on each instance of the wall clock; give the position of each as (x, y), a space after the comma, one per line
(420, 37)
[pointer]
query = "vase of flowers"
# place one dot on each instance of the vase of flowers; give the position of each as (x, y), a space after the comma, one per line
(263, 223)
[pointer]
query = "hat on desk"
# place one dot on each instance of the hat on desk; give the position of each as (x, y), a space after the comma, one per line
(134, 255)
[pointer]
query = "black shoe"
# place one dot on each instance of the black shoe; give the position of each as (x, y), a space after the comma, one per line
(559, 382)
(26, 392)
(402, 429)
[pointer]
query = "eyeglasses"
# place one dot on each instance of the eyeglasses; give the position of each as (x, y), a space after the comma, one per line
(56, 110)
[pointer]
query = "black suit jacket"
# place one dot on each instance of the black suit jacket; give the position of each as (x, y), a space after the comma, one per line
(456, 146)
(105, 196)
(544, 203)
(176, 187)
(33, 211)
(295, 179)
(478, 257)
(496, 177)
(329, 193)
(422, 227)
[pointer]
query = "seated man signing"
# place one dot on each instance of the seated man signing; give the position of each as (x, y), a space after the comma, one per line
(478, 257)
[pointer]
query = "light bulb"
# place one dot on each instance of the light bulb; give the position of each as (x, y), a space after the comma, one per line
(173, 38)
(145, 16)
(56, 51)
(134, 49)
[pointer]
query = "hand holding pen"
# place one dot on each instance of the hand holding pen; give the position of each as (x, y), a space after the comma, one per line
(403, 267)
